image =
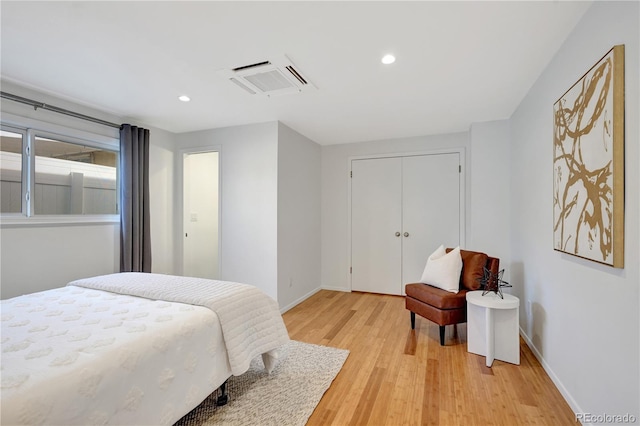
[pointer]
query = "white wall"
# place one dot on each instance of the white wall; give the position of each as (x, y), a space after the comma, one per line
(249, 206)
(162, 210)
(35, 258)
(334, 201)
(44, 257)
(298, 217)
(580, 316)
(489, 212)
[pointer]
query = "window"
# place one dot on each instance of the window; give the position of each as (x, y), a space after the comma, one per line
(11, 167)
(73, 179)
(65, 175)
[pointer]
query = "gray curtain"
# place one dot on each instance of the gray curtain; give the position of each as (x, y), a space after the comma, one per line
(135, 238)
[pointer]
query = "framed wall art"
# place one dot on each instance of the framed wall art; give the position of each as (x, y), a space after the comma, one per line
(588, 164)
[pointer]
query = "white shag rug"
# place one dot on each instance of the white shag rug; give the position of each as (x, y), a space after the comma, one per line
(287, 396)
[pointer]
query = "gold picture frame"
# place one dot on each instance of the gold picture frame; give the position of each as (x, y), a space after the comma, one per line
(588, 164)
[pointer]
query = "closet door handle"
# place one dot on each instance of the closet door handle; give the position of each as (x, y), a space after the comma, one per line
(397, 234)
(406, 234)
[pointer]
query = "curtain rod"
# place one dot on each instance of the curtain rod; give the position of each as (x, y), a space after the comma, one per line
(36, 105)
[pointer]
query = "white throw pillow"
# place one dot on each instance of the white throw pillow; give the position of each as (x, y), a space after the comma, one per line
(443, 269)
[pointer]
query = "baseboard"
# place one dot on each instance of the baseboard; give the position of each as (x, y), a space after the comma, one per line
(299, 300)
(342, 289)
(554, 378)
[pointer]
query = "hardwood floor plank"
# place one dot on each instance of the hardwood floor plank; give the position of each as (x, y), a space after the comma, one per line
(411, 343)
(368, 398)
(375, 313)
(339, 325)
(431, 399)
(395, 376)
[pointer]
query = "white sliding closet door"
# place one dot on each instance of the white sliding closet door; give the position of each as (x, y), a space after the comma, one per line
(402, 209)
(376, 211)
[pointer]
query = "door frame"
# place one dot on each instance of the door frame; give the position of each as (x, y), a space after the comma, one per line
(179, 207)
(463, 183)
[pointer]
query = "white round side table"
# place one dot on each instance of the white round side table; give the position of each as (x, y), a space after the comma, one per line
(493, 326)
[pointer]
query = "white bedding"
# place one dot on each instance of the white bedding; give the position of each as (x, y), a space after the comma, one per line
(251, 321)
(83, 356)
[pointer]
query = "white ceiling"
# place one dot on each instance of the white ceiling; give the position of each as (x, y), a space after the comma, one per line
(457, 62)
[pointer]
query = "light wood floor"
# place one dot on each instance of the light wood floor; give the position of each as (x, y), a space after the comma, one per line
(396, 376)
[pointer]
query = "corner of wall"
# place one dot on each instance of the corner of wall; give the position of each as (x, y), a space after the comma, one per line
(298, 235)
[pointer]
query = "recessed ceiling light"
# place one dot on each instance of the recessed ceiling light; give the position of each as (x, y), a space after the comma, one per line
(388, 59)
(184, 98)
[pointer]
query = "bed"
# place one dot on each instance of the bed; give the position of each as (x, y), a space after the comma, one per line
(130, 348)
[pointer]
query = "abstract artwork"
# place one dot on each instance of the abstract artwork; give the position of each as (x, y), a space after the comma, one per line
(588, 164)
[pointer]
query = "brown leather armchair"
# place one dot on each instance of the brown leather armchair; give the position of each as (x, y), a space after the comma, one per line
(444, 307)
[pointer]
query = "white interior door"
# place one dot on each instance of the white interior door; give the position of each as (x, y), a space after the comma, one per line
(376, 217)
(402, 209)
(201, 215)
(431, 209)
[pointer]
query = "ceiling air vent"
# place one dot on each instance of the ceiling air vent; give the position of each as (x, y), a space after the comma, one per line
(277, 76)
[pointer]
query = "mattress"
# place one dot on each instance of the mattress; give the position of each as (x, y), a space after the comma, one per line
(82, 356)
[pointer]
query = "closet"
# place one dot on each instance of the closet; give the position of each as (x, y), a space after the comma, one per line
(402, 209)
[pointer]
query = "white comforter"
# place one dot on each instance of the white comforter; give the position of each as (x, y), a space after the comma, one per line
(251, 321)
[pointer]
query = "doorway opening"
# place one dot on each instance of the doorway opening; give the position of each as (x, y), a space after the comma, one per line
(201, 214)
